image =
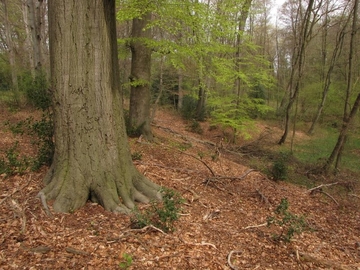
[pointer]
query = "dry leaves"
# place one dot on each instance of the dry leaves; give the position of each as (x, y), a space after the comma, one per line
(220, 228)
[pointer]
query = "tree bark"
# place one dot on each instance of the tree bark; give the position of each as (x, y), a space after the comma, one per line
(92, 157)
(140, 77)
(10, 47)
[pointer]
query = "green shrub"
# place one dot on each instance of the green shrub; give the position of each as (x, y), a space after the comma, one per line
(36, 90)
(289, 224)
(162, 214)
(127, 261)
(12, 163)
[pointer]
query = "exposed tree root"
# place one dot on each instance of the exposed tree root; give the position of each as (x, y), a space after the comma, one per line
(42, 197)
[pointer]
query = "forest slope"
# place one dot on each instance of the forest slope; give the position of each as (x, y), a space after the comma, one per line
(222, 214)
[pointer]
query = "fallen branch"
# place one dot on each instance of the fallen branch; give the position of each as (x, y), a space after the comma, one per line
(331, 197)
(319, 188)
(148, 227)
(229, 259)
(76, 251)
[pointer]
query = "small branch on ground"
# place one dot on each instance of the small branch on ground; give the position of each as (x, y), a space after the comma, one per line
(147, 228)
(76, 251)
(255, 226)
(319, 188)
(233, 267)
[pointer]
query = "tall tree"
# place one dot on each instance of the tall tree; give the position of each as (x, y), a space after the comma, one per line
(139, 115)
(327, 72)
(92, 158)
(298, 58)
(10, 46)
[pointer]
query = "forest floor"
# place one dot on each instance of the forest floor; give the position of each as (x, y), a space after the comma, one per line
(222, 223)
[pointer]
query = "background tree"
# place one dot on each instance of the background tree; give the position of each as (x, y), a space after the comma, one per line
(92, 158)
(349, 113)
(140, 76)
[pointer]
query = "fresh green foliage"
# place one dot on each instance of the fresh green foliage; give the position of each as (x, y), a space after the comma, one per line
(37, 90)
(162, 214)
(316, 150)
(188, 110)
(12, 163)
(289, 223)
(127, 261)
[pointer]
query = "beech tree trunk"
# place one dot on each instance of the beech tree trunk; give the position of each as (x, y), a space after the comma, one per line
(92, 158)
(140, 77)
(10, 47)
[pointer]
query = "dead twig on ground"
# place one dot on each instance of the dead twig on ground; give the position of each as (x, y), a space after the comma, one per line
(233, 267)
(255, 226)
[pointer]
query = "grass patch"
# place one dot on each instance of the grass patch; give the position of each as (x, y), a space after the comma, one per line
(318, 149)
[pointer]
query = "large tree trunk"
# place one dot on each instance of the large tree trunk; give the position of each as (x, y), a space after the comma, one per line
(92, 158)
(140, 77)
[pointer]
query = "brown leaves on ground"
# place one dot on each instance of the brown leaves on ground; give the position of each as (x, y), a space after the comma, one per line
(220, 216)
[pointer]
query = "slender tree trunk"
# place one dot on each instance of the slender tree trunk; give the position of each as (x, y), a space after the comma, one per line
(241, 26)
(327, 79)
(140, 77)
(10, 47)
(161, 89)
(337, 151)
(305, 33)
(180, 91)
(92, 157)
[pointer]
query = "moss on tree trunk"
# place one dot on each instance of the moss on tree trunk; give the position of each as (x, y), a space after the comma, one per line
(92, 156)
